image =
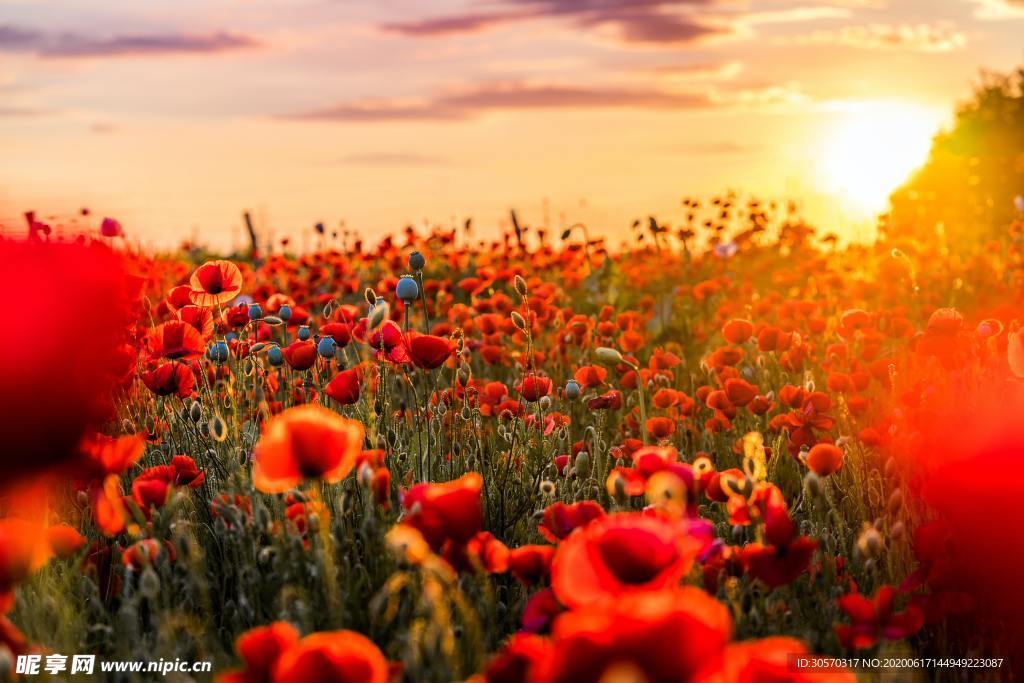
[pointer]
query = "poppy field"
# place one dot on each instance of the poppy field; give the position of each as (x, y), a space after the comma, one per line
(699, 455)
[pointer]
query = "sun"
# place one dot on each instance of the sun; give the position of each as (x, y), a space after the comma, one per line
(873, 147)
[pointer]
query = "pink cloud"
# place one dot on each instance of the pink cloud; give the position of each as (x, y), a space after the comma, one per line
(76, 45)
(504, 96)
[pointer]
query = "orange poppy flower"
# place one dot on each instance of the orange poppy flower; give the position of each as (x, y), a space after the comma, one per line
(332, 656)
(427, 351)
(214, 283)
(305, 441)
(447, 511)
(344, 387)
(738, 330)
(660, 636)
(621, 554)
(175, 340)
(824, 459)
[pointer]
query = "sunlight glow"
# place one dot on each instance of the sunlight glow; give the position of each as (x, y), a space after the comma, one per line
(873, 147)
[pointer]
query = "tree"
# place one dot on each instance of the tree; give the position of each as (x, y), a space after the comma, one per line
(974, 170)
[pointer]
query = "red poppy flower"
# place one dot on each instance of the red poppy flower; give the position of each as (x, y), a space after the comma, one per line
(300, 355)
(531, 563)
(199, 318)
(778, 565)
(59, 361)
(149, 492)
(824, 458)
(427, 351)
(874, 619)
(659, 637)
(332, 656)
(169, 379)
(215, 283)
(344, 387)
(305, 441)
(447, 511)
(516, 659)
(621, 554)
(64, 540)
(660, 427)
(769, 659)
(739, 392)
(590, 376)
(559, 519)
(534, 386)
(341, 333)
(737, 330)
(23, 550)
(260, 649)
(175, 341)
(104, 455)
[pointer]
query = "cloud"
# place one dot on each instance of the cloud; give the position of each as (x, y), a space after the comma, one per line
(662, 22)
(488, 97)
(16, 112)
(939, 37)
(703, 71)
(76, 45)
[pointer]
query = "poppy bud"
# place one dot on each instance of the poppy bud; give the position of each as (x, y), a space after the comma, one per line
(897, 531)
(582, 465)
(608, 355)
(416, 261)
(545, 402)
(572, 389)
(370, 296)
(518, 321)
(195, 411)
(520, 284)
(304, 333)
(273, 320)
(326, 347)
(895, 501)
(255, 312)
(869, 543)
(378, 314)
(547, 488)
(407, 289)
(274, 356)
(285, 312)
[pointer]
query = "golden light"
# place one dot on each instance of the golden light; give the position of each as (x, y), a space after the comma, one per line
(873, 147)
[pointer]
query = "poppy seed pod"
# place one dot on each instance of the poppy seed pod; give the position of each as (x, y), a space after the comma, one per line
(572, 389)
(416, 261)
(255, 312)
(326, 347)
(274, 356)
(407, 289)
(304, 333)
(285, 312)
(607, 355)
(218, 352)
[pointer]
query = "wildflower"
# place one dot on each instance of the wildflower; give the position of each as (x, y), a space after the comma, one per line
(533, 387)
(300, 355)
(215, 283)
(448, 511)
(875, 619)
(559, 519)
(824, 458)
(344, 387)
(659, 636)
(428, 351)
(305, 442)
(620, 554)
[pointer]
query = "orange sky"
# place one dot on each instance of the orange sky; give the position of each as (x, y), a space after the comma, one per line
(173, 116)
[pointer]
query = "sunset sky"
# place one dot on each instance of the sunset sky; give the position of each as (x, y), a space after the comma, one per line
(174, 116)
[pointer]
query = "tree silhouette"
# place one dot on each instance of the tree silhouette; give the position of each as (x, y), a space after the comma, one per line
(975, 169)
